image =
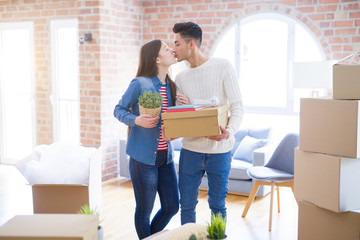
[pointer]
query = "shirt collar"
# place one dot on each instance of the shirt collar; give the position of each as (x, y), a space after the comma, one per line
(157, 81)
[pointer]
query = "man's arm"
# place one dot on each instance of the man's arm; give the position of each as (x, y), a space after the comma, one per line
(233, 94)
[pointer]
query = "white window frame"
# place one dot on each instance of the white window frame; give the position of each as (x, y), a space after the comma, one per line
(18, 26)
(289, 109)
(54, 98)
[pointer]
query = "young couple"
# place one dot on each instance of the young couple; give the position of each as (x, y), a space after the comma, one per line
(151, 156)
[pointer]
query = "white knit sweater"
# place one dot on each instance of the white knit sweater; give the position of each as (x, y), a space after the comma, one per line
(215, 77)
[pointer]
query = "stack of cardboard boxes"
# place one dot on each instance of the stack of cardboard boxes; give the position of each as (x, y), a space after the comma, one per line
(327, 163)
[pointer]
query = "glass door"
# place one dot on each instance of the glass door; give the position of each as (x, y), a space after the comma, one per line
(66, 87)
(17, 120)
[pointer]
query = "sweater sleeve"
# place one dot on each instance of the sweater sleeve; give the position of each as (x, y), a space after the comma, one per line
(121, 111)
(234, 98)
(179, 89)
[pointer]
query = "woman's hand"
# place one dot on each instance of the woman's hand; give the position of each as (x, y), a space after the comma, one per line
(166, 139)
(182, 99)
(146, 121)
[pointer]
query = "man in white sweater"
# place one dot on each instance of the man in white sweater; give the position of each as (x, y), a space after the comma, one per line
(206, 78)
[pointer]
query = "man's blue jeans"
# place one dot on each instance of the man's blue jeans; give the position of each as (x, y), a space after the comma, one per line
(192, 167)
(147, 180)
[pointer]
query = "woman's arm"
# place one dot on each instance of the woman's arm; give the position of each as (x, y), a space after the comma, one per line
(130, 98)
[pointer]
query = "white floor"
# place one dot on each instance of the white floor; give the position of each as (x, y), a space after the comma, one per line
(15, 194)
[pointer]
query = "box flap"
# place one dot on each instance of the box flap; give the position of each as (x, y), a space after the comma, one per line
(349, 57)
(95, 180)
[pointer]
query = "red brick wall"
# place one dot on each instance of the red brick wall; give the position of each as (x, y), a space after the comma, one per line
(120, 27)
(106, 64)
(336, 23)
(41, 13)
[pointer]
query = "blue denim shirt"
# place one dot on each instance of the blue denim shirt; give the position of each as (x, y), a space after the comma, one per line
(142, 142)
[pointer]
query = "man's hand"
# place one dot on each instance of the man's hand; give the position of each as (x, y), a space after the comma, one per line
(224, 135)
(146, 121)
(182, 99)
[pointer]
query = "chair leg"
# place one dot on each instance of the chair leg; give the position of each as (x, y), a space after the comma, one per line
(278, 198)
(251, 198)
(271, 204)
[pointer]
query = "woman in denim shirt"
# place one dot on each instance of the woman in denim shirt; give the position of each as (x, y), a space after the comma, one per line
(151, 158)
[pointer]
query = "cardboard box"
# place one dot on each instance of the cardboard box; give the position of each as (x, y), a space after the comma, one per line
(316, 224)
(346, 81)
(330, 126)
(199, 123)
(327, 181)
(68, 198)
(51, 227)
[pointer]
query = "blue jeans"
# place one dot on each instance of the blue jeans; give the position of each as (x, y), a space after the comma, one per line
(147, 180)
(192, 167)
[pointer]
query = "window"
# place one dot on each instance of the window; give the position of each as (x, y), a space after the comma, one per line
(66, 90)
(262, 49)
(17, 120)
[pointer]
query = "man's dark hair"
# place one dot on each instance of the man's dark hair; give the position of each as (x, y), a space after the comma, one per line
(189, 31)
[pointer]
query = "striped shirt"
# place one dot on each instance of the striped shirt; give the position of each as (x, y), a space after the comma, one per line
(162, 143)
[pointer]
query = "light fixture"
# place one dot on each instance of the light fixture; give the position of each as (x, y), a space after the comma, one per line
(313, 75)
(87, 37)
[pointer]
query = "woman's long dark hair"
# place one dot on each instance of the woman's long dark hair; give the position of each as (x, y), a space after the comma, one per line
(147, 64)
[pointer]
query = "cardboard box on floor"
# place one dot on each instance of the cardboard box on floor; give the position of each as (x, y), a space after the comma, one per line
(330, 126)
(316, 223)
(199, 123)
(51, 227)
(330, 182)
(346, 81)
(68, 198)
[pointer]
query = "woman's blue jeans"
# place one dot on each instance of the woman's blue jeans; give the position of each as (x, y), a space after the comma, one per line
(192, 167)
(147, 180)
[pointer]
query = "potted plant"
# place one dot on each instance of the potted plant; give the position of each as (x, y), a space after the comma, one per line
(193, 237)
(85, 209)
(150, 103)
(216, 229)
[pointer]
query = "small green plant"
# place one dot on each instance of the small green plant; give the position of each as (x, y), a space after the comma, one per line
(150, 99)
(192, 237)
(216, 229)
(85, 209)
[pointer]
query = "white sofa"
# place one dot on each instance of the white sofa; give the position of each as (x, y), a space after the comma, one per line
(253, 147)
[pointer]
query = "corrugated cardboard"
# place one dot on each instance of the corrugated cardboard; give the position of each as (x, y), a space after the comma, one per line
(330, 126)
(327, 181)
(346, 81)
(68, 198)
(319, 224)
(199, 123)
(59, 198)
(51, 227)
